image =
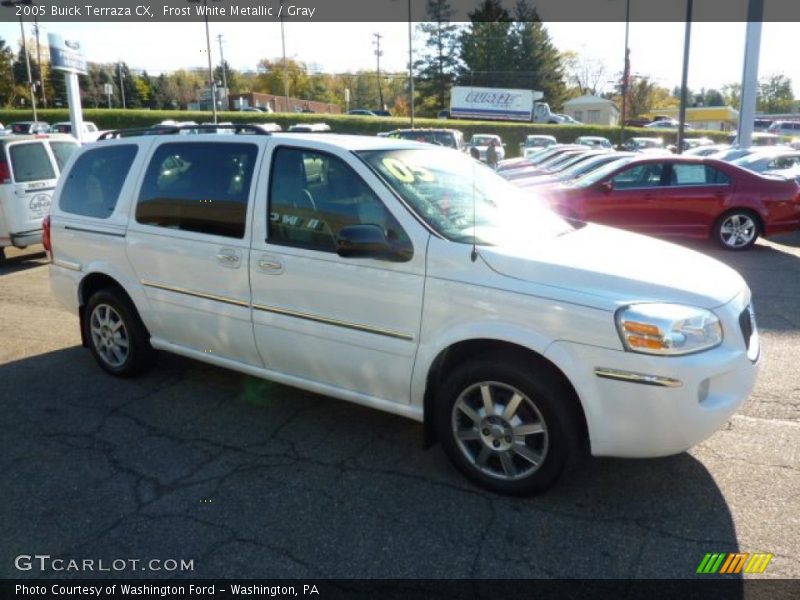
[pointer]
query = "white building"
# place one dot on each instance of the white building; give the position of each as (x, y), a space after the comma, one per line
(592, 110)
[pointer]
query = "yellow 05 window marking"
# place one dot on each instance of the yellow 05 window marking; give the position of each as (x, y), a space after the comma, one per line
(405, 173)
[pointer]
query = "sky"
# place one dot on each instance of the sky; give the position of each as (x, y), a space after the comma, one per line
(716, 58)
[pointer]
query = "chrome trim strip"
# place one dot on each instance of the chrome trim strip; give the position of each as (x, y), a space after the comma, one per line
(204, 295)
(336, 322)
(66, 264)
(83, 230)
(633, 377)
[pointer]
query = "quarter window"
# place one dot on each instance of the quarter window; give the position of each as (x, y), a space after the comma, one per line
(314, 194)
(95, 181)
(200, 187)
(62, 151)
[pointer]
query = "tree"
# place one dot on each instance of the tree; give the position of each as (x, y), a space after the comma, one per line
(588, 74)
(732, 94)
(486, 46)
(776, 94)
(436, 70)
(6, 74)
(535, 61)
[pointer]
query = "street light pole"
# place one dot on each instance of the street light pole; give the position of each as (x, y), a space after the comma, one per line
(285, 70)
(39, 62)
(378, 54)
(222, 66)
(121, 84)
(211, 81)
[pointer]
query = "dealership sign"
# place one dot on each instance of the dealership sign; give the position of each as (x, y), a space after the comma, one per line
(66, 55)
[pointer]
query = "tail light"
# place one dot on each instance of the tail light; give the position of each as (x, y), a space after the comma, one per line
(5, 173)
(48, 246)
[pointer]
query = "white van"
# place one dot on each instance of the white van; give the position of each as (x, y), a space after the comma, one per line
(29, 168)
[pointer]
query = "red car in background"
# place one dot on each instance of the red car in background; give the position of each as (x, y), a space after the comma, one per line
(683, 196)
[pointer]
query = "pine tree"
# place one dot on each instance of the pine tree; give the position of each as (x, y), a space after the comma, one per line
(436, 70)
(6, 74)
(486, 46)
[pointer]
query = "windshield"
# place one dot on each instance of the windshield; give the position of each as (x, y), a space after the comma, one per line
(482, 140)
(599, 174)
(457, 196)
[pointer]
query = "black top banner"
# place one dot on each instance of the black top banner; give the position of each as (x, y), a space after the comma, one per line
(105, 11)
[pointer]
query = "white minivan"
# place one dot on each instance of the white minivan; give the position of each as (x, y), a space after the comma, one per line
(29, 168)
(404, 277)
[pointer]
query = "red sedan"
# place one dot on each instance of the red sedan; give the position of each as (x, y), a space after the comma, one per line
(683, 196)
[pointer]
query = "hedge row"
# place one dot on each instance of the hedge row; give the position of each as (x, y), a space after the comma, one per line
(512, 133)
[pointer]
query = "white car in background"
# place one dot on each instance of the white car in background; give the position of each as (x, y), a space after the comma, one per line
(481, 141)
(90, 130)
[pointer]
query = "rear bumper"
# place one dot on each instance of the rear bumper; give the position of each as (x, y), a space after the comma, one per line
(26, 238)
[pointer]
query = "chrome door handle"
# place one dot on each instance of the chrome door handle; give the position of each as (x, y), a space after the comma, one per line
(269, 265)
(228, 258)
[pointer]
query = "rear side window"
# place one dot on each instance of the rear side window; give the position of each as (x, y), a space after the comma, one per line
(200, 187)
(62, 151)
(94, 183)
(30, 162)
(688, 174)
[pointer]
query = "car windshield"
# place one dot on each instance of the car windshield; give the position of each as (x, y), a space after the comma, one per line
(593, 177)
(537, 142)
(482, 140)
(463, 200)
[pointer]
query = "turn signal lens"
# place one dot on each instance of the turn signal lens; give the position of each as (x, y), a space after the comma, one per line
(671, 329)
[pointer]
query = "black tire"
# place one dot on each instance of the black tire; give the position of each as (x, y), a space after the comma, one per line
(737, 229)
(105, 309)
(546, 403)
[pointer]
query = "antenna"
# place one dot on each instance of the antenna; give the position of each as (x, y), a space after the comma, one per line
(474, 254)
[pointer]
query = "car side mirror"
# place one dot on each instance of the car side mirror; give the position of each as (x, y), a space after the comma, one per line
(370, 241)
(607, 186)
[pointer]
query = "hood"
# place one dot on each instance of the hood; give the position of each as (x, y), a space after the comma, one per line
(610, 267)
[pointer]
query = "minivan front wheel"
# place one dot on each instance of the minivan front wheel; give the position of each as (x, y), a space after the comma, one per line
(117, 337)
(506, 425)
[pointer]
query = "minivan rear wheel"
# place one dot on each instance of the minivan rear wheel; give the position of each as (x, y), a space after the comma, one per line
(117, 338)
(507, 425)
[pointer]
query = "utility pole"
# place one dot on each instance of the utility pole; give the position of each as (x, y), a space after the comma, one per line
(121, 84)
(752, 51)
(224, 75)
(378, 54)
(411, 67)
(626, 73)
(684, 77)
(39, 62)
(285, 70)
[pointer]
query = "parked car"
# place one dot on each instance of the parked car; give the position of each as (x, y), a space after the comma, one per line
(759, 162)
(686, 197)
(361, 112)
(567, 120)
(690, 143)
(789, 173)
(267, 127)
(443, 114)
(481, 141)
(594, 141)
(759, 139)
(576, 170)
(644, 144)
(785, 128)
(258, 109)
(90, 130)
(310, 128)
(451, 138)
(406, 278)
(706, 150)
(535, 143)
(526, 167)
(667, 124)
(29, 168)
(28, 127)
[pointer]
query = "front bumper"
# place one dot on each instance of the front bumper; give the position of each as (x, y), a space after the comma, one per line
(641, 406)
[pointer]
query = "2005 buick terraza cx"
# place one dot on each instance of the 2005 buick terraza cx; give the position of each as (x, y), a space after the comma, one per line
(407, 278)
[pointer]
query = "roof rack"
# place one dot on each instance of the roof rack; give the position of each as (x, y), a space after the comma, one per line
(239, 128)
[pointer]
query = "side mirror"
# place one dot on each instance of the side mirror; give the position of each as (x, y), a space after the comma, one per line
(607, 186)
(369, 241)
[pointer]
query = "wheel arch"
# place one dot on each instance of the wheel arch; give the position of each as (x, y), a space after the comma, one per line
(91, 283)
(456, 353)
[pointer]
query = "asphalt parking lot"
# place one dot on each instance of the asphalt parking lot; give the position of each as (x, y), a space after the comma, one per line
(250, 479)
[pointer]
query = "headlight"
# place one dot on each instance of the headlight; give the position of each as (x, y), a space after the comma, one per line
(671, 329)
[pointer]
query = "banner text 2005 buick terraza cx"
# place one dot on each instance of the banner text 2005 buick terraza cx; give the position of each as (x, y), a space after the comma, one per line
(346, 266)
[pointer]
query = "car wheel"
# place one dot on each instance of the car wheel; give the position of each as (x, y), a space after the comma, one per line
(508, 426)
(117, 337)
(737, 230)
